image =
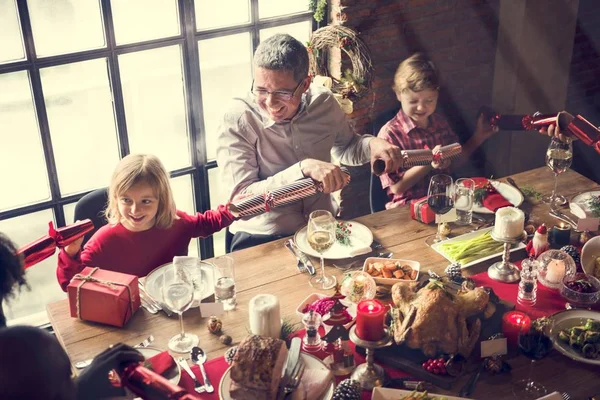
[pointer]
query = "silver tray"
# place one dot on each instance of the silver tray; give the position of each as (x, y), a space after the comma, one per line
(202, 277)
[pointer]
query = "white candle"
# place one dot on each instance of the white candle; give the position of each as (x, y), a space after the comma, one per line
(264, 316)
(555, 271)
(509, 223)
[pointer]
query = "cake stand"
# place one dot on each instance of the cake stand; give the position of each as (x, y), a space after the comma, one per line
(505, 271)
(369, 374)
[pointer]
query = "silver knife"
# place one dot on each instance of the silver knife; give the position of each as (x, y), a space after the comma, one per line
(292, 359)
(303, 257)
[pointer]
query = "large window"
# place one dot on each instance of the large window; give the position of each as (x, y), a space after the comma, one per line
(85, 82)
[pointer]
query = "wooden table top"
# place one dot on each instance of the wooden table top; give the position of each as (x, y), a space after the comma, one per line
(270, 268)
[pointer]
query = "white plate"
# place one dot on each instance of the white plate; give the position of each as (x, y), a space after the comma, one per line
(174, 374)
(509, 192)
(568, 319)
(380, 393)
(589, 253)
(360, 237)
(310, 362)
(436, 246)
(578, 204)
(203, 282)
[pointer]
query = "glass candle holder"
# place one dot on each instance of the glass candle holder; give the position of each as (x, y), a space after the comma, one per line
(554, 265)
(312, 338)
(560, 235)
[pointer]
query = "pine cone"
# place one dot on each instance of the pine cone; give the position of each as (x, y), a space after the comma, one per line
(454, 272)
(348, 389)
(573, 252)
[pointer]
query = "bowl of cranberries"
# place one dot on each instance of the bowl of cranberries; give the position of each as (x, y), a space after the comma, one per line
(580, 290)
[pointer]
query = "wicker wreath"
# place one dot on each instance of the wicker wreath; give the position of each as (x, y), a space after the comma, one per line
(355, 83)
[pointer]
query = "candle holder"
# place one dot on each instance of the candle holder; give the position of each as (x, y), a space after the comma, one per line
(369, 374)
(505, 271)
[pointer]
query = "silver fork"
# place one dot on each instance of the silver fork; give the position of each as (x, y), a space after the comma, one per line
(145, 343)
(294, 380)
(198, 387)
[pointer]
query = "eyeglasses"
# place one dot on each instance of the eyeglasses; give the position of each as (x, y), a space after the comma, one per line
(277, 95)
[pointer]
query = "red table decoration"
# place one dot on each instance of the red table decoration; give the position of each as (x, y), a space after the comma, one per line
(37, 251)
(370, 316)
(68, 234)
(512, 323)
(103, 296)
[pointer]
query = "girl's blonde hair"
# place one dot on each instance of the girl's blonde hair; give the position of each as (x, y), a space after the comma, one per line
(416, 73)
(136, 168)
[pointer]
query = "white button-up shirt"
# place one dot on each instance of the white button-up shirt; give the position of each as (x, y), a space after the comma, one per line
(257, 155)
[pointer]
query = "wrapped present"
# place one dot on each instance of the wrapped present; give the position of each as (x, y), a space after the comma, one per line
(103, 296)
(413, 158)
(68, 234)
(250, 205)
(37, 251)
(420, 211)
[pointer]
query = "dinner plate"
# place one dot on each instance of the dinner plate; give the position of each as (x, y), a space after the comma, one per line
(173, 374)
(509, 192)
(202, 278)
(380, 393)
(361, 238)
(568, 319)
(471, 235)
(578, 204)
(310, 362)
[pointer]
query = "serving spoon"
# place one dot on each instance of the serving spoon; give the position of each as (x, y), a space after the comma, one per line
(199, 357)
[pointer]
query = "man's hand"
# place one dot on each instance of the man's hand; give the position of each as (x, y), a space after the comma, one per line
(387, 152)
(483, 129)
(330, 175)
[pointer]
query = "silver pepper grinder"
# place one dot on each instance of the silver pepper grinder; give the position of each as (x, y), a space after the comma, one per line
(528, 284)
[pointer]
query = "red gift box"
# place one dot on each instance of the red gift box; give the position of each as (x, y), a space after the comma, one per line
(103, 296)
(420, 211)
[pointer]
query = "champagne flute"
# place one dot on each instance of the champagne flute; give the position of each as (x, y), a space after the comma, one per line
(320, 234)
(178, 294)
(440, 198)
(558, 158)
(534, 344)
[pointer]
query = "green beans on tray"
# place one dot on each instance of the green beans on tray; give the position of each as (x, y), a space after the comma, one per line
(468, 250)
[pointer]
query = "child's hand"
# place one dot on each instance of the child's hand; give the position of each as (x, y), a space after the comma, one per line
(439, 164)
(73, 248)
(483, 129)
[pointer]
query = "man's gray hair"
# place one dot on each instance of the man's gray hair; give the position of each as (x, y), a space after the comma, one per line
(281, 52)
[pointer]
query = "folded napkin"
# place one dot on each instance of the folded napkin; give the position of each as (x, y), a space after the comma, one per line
(494, 200)
(313, 384)
(160, 363)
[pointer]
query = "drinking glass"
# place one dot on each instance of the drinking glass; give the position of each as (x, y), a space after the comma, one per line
(320, 234)
(178, 294)
(464, 190)
(558, 158)
(535, 345)
(440, 198)
(224, 278)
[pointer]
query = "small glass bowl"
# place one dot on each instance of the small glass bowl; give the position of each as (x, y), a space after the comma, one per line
(577, 299)
(357, 286)
(554, 266)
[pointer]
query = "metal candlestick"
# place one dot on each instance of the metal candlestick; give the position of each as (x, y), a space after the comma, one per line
(505, 271)
(369, 374)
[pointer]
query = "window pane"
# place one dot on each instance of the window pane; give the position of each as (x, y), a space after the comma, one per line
(65, 26)
(226, 72)
(69, 211)
(184, 198)
(218, 195)
(141, 20)
(274, 8)
(82, 124)
(21, 148)
(11, 39)
(155, 106)
(211, 14)
(41, 277)
(300, 31)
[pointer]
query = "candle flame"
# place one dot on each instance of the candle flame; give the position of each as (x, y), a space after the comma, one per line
(370, 307)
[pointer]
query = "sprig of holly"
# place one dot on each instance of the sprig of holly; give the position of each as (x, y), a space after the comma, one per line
(530, 192)
(594, 205)
(343, 232)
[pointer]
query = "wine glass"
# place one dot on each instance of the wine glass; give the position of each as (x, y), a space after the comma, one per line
(320, 234)
(558, 158)
(178, 294)
(535, 345)
(440, 198)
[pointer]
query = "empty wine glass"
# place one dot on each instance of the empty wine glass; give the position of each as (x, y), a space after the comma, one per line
(558, 158)
(534, 344)
(178, 294)
(440, 198)
(320, 234)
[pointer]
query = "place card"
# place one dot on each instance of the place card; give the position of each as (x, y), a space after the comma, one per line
(588, 224)
(495, 347)
(208, 309)
(450, 216)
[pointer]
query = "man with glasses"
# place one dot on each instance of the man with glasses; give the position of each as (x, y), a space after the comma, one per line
(285, 130)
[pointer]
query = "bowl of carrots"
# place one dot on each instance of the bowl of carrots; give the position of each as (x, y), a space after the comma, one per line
(388, 271)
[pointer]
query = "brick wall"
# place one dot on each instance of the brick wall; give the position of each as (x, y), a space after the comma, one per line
(458, 35)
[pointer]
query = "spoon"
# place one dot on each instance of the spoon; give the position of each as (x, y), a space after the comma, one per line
(199, 357)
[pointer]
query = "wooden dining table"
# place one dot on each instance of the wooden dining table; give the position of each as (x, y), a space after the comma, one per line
(270, 268)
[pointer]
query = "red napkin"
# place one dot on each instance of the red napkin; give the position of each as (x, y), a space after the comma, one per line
(160, 363)
(215, 369)
(494, 200)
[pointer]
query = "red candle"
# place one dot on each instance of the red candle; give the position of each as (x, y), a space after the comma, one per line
(370, 316)
(512, 323)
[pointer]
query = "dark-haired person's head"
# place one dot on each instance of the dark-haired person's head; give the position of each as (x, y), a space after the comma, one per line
(12, 275)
